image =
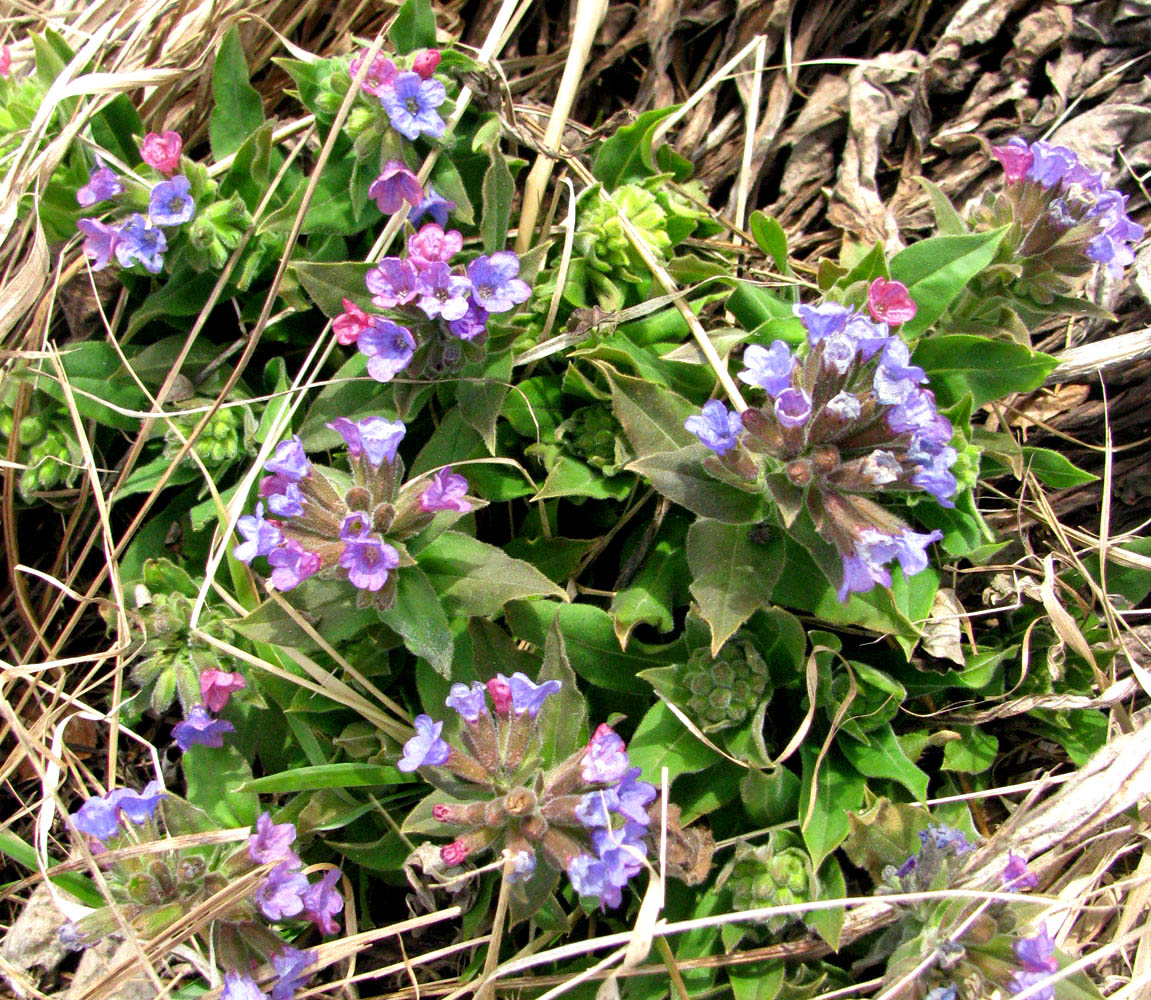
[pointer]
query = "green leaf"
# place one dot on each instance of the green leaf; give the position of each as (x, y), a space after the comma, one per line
(937, 269)
(658, 588)
(681, 477)
(95, 374)
(183, 294)
(569, 477)
(759, 309)
(651, 416)
(828, 924)
(963, 363)
(973, 753)
(884, 757)
(661, 740)
(237, 111)
(591, 642)
(948, 221)
(731, 576)
(885, 834)
(328, 284)
(310, 779)
(1055, 469)
(760, 981)
(475, 578)
(563, 719)
(216, 777)
(480, 392)
(627, 155)
(499, 190)
(419, 618)
(116, 128)
(826, 796)
(24, 854)
(414, 27)
(330, 604)
(770, 238)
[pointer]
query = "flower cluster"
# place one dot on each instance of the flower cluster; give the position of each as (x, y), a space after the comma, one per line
(432, 308)
(354, 535)
(138, 239)
(587, 816)
(154, 890)
(1064, 210)
(411, 97)
(49, 451)
(851, 417)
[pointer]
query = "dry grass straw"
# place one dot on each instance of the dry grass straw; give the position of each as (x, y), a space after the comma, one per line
(1076, 828)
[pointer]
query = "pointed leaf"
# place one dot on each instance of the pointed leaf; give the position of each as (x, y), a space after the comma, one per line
(418, 616)
(238, 111)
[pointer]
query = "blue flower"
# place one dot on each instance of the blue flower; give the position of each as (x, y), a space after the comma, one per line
(240, 987)
(527, 696)
(368, 562)
(442, 293)
(768, 367)
(139, 807)
(412, 104)
(137, 241)
(388, 346)
(822, 320)
(290, 965)
(170, 203)
(716, 427)
(375, 437)
(99, 241)
(438, 207)
(260, 536)
(281, 894)
(946, 838)
(594, 808)
(392, 282)
(633, 797)
(495, 286)
(425, 749)
(289, 460)
(468, 701)
(97, 818)
(200, 729)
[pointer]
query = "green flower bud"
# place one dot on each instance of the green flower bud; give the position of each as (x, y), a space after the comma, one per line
(32, 429)
(725, 691)
(145, 889)
(590, 434)
(778, 873)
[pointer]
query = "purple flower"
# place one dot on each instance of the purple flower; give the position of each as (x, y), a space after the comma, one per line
(822, 320)
(896, 378)
(322, 902)
(425, 749)
(286, 503)
(281, 894)
(523, 866)
(350, 323)
(138, 241)
(1021, 981)
(434, 205)
(633, 797)
(388, 346)
(139, 807)
(471, 324)
(860, 575)
(380, 73)
(589, 878)
(1050, 163)
(102, 185)
(375, 437)
(1036, 954)
(290, 965)
(1016, 158)
(934, 475)
(1091, 181)
(716, 427)
(272, 842)
(442, 293)
(412, 104)
(356, 525)
(911, 551)
(528, 696)
(948, 992)
(870, 338)
(915, 413)
(768, 367)
(447, 491)
(368, 561)
(844, 406)
(881, 467)
(595, 807)
(431, 245)
(170, 203)
(292, 565)
(289, 460)
(392, 283)
(494, 283)
(945, 838)
(1016, 875)
(216, 687)
(240, 987)
(839, 350)
(468, 702)
(618, 850)
(260, 536)
(99, 242)
(97, 818)
(1109, 212)
(394, 186)
(792, 408)
(200, 729)
(606, 757)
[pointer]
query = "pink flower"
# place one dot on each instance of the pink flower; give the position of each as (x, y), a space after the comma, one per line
(426, 62)
(888, 301)
(1016, 158)
(6, 61)
(162, 151)
(216, 687)
(431, 245)
(381, 73)
(351, 323)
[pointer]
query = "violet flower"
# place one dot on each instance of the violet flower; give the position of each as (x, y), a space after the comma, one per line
(435, 205)
(412, 104)
(380, 74)
(469, 702)
(527, 696)
(237, 986)
(769, 368)
(395, 185)
(375, 437)
(716, 427)
(447, 491)
(368, 562)
(388, 347)
(471, 324)
(281, 894)
(291, 565)
(442, 293)
(392, 283)
(426, 748)
(289, 460)
(433, 245)
(170, 203)
(103, 185)
(137, 241)
(99, 242)
(272, 842)
(290, 965)
(494, 283)
(606, 757)
(322, 902)
(200, 729)
(260, 536)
